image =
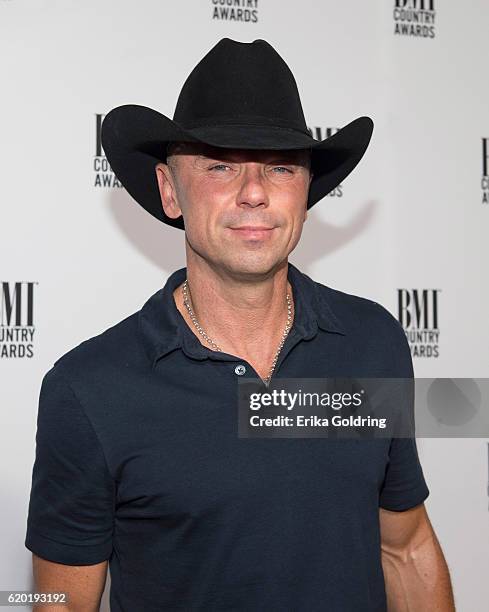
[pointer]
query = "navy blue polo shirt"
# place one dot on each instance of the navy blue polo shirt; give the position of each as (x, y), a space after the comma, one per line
(138, 461)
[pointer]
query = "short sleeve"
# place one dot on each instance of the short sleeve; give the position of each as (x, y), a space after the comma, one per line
(72, 499)
(404, 484)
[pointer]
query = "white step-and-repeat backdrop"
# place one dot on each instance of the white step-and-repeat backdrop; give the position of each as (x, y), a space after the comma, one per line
(408, 228)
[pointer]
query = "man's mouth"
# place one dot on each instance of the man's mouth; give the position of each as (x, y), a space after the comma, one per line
(253, 231)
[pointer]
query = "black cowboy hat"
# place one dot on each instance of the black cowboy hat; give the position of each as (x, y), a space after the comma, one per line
(240, 95)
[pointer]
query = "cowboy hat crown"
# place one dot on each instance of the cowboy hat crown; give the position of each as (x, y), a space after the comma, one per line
(242, 84)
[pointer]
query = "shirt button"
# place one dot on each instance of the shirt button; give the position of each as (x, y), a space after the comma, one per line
(240, 369)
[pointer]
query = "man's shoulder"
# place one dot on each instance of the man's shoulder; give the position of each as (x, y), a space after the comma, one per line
(104, 353)
(358, 313)
(371, 329)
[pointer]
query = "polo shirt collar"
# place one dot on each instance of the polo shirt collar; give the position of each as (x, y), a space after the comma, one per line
(163, 328)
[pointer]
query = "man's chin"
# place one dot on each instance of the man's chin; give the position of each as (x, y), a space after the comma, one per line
(251, 267)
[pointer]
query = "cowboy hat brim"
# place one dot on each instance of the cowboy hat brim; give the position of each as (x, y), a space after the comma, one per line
(135, 138)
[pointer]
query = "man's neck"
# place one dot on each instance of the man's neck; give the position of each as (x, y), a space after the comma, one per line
(243, 317)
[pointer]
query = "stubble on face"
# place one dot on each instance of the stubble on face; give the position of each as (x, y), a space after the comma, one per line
(225, 193)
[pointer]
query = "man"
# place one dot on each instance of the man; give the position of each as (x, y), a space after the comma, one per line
(138, 459)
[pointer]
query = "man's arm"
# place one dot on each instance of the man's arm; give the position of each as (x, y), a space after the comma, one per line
(72, 502)
(415, 571)
(83, 584)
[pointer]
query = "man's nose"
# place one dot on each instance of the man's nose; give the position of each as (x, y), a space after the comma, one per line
(252, 190)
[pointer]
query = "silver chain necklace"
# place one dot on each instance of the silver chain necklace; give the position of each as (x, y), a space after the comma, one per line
(217, 348)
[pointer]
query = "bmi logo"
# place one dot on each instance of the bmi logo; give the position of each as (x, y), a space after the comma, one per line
(104, 176)
(320, 133)
(235, 10)
(418, 315)
(485, 171)
(414, 18)
(17, 319)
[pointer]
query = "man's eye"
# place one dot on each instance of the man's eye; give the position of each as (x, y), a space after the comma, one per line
(219, 167)
(287, 170)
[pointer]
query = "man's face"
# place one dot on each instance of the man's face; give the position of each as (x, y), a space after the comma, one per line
(243, 209)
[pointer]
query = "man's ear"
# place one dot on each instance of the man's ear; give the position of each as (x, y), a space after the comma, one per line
(168, 195)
